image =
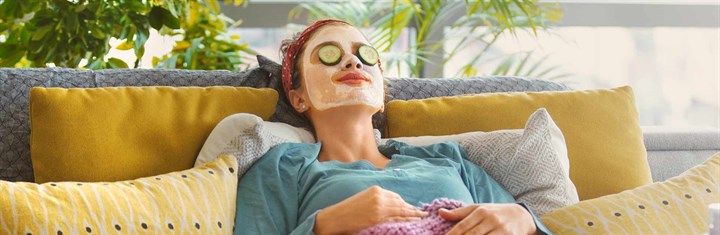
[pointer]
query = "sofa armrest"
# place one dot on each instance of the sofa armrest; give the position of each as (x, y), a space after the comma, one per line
(674, 149)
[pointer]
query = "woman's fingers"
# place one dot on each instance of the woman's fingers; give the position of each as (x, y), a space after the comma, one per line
(465, 226)
(414, 212)
(473, 216)
(402, 208)
(400, 219)
(482, 228)
(406, 212)
(456, 214)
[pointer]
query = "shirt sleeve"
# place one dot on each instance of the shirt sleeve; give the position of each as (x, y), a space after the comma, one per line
(267, 196)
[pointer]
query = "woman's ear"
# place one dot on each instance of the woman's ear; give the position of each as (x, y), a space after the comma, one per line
(297, 101)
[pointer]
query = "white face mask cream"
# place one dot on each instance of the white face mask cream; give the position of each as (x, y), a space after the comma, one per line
(340, 68)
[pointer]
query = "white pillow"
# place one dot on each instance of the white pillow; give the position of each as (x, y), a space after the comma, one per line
(248, 137)
(532, 164)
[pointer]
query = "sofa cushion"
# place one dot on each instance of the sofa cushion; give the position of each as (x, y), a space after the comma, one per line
(197, 201)
(605, 143)
(110, 134)
(531, 163)
(676, 206)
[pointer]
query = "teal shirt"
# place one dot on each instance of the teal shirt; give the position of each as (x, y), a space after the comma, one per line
(284, 190)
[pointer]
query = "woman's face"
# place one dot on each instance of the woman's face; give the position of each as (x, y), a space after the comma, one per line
(337, 69)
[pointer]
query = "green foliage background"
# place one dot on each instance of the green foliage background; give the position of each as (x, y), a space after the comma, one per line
(40, 33)
(62, 32)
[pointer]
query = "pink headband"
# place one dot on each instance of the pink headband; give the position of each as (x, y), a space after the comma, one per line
(288, 61)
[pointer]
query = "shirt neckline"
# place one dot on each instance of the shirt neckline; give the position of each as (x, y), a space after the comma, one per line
(362, 162)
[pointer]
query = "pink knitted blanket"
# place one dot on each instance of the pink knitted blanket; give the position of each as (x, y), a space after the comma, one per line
(431, 225)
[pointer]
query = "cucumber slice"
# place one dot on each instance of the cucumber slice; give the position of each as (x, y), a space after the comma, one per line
(368, 55)
(329, 54)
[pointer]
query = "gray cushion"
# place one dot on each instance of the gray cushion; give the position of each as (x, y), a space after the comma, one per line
(666, 164)
(15, 87)
(676, 138)
(167, 77)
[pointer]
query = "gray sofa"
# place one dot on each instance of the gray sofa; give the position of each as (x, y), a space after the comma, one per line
(670, 150)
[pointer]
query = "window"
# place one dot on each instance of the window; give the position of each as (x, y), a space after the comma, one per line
(674, 71)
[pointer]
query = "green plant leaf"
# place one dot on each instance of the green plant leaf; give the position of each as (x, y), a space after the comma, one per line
(97, 34)
(116, 63)
(12, 59)
(155, 18)
(41, 32)
(80, 7)
(160, 16)
(96, 64)
(137, 6)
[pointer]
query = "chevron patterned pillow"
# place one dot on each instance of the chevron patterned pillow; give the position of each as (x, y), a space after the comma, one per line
(678, 205)
(532, 164)
(200, 200)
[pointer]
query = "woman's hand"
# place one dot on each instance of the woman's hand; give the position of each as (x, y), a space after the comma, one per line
(490, 219)
(372, 206)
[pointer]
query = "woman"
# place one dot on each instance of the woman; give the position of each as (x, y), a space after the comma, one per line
(345, 183)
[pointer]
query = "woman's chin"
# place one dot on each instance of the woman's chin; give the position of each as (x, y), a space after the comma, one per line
(357, 107)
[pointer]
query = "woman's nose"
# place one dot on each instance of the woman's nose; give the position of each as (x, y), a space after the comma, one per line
(352, 62)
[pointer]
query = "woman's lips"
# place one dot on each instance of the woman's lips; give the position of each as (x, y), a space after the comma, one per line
(353, 79)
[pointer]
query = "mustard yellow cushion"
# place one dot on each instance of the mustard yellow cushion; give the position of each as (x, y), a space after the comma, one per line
(676, 206)
(605, 145)
(121, 133)
(197, 201)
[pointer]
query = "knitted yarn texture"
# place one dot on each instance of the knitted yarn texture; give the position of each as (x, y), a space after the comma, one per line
(430, 225)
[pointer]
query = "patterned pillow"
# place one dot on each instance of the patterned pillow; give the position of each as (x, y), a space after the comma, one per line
(199, 200)
(678, 205)
(247, 137)
(532, 164)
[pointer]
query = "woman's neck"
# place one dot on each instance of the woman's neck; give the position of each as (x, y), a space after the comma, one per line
(347, 137)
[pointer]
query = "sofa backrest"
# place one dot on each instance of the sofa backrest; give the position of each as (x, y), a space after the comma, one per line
(15, 162)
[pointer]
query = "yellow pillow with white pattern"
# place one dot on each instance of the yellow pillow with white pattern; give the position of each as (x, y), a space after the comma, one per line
(676, 206)
(199, 201)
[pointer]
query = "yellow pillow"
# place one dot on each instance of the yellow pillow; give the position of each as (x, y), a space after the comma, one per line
(676, 206)
(121, 133)
(197, 201)
(605, 143)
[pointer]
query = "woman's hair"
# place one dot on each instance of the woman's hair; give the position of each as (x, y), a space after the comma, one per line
(284, 46)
